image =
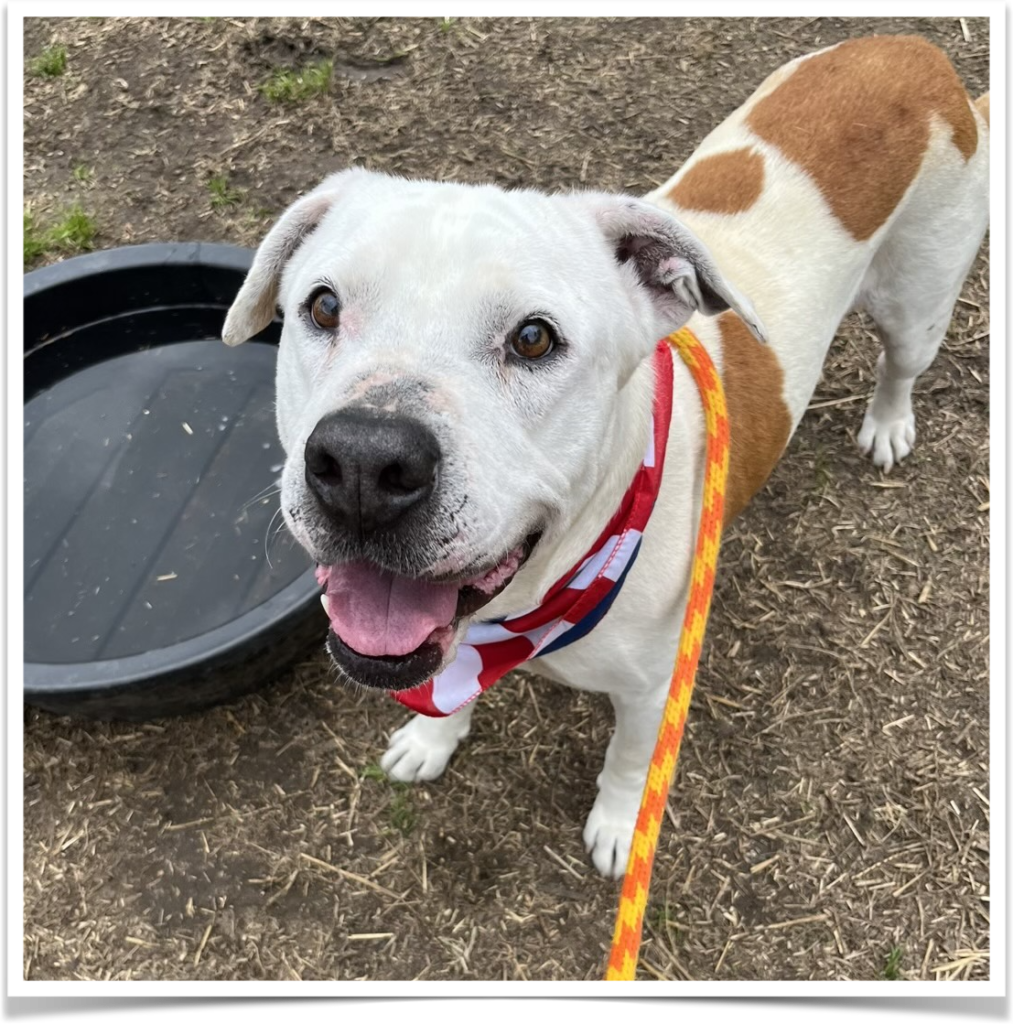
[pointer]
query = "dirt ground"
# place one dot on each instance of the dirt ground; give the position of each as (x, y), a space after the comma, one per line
(830, 817)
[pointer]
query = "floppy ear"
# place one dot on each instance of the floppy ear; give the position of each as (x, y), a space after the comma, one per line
(253, 308)
(671, 263)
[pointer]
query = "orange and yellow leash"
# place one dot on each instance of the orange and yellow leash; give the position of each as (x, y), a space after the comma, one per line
(622, 965)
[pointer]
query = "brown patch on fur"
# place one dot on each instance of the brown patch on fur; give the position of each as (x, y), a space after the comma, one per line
(758, 416)
(856, 118)
(982, 104)
(723, 183)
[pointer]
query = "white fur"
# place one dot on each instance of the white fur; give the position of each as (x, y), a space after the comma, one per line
(432, 276)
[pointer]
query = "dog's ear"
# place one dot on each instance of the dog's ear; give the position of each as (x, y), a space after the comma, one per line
(254, 307)
(671, 263)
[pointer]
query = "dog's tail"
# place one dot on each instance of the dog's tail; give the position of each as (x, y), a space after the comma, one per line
(982, 104)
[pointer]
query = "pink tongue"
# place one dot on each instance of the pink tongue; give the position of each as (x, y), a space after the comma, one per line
(379, 614)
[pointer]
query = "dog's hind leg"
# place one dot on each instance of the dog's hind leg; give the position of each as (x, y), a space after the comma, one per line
(419, 751)
(911, 288)
(910, 345)
(911, 321)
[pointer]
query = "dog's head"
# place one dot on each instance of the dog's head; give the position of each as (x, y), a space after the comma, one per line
(448, 383)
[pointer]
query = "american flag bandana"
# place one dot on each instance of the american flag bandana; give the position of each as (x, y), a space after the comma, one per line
(576, 603)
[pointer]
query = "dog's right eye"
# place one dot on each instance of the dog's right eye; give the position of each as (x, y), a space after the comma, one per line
(325, 310)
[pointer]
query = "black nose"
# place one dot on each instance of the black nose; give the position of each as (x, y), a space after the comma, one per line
(368, 469)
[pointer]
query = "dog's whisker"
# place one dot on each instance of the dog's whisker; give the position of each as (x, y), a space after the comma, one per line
(268, 536)
(261, 496)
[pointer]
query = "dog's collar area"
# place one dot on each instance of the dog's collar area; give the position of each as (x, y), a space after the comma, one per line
(577, 602)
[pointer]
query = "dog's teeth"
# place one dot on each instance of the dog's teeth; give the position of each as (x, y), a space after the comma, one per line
(323, 601)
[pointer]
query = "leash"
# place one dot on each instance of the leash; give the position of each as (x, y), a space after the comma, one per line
(622, 965)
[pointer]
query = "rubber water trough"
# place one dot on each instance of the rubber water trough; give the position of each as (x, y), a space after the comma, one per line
(157, 581)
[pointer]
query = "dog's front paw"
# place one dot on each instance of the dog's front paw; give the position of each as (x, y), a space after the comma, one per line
(888, 441)
(608, 833)
(420, 750)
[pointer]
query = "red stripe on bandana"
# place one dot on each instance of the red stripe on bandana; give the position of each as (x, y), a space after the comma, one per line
(576, 602)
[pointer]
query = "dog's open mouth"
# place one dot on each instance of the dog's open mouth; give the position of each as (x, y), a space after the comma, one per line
(393, 632)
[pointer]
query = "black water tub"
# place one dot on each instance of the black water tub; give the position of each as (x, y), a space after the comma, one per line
(157, 580)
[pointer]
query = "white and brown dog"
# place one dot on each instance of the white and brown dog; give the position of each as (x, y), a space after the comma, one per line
(467, 376)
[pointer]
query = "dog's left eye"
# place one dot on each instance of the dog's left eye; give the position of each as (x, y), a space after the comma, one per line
(325, 310)
(533, 339)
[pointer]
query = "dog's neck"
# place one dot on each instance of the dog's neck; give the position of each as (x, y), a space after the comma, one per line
(567, 541)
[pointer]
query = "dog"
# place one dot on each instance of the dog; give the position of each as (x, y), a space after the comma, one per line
(469, 379)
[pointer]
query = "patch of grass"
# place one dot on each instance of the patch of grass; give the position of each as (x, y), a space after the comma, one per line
(402, 809)
(891, 971)
(288, 86)
(662, 919)
(446, 24)
(659, 916)
(51, 63)
(73, 232)
(823, 477)
(83, 173)
(374, 772)
(221, 194)
(34, 246)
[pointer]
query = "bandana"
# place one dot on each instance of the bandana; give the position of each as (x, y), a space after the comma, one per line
(576, 603)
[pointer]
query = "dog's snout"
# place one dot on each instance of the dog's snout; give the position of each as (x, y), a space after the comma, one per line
(369, 469)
